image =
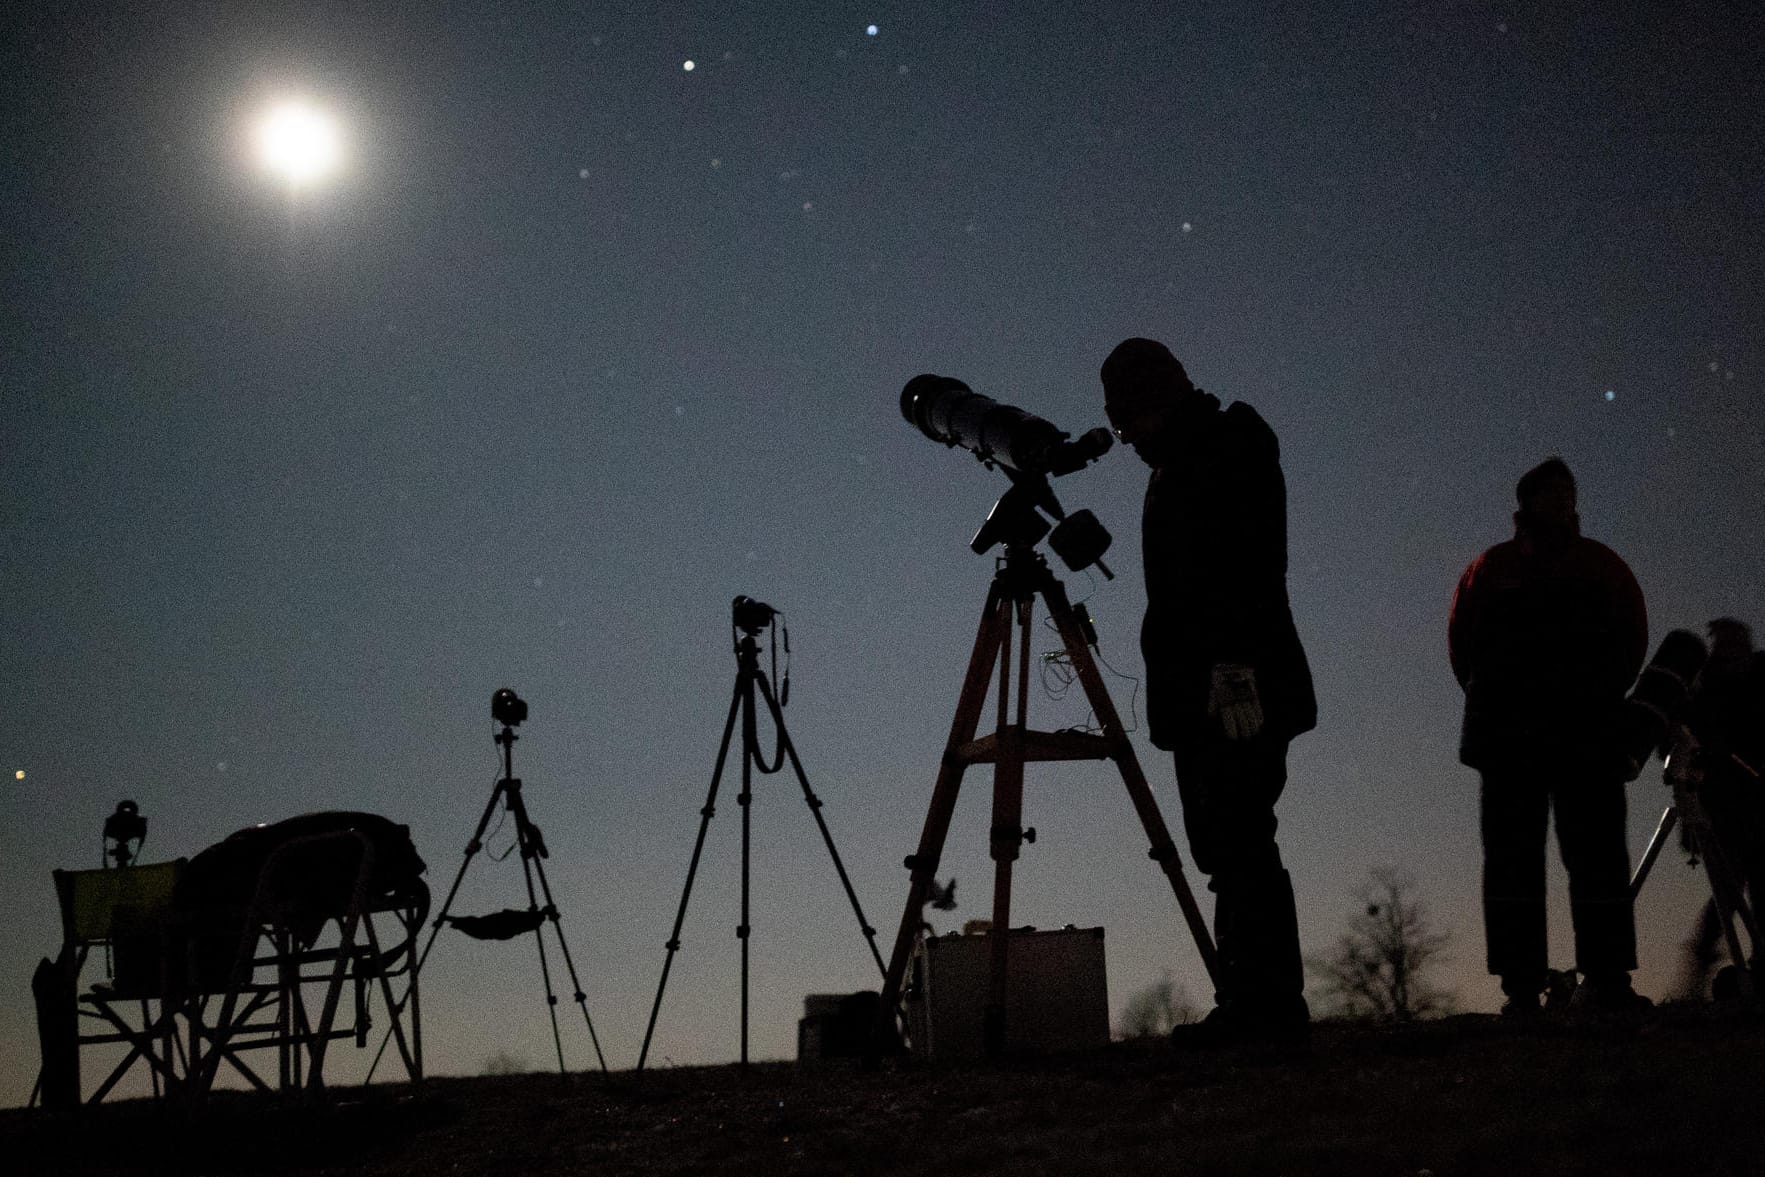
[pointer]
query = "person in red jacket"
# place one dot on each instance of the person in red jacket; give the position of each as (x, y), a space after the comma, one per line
(1547, 633)
(1227, 684)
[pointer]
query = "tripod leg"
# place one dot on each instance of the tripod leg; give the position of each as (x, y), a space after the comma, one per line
(1725, 888)
(749, 748)
(815, 808)
(414, 1063)
(1668, 820)
(1164, 849)
(705, 815)
(410, 993)
(923, 863)
(581, 998)
(531, 846)
(1005, 841)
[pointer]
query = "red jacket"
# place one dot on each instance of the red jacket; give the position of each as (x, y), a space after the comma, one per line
(1546, 640)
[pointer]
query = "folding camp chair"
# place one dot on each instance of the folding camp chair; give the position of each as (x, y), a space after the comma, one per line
(306, 939)
(198, 978)
(128, 914)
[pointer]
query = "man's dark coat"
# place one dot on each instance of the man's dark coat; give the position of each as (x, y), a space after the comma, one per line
(1215, 550)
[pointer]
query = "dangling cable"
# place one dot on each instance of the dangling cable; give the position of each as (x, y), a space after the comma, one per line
(1133, 696)
(1059, 674)
(774, 706)
(784, 690)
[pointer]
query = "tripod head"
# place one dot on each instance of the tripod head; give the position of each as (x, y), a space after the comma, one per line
(510, 710)
(122, 827)
(1016, 520)
(1029, 450)
(748, 617)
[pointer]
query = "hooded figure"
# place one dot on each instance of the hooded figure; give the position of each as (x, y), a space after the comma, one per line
(1548, 631)
(1227, 684)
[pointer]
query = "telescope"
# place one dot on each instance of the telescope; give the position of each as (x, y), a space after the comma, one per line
(1657, 704)
(947, 410)
(1029, 450)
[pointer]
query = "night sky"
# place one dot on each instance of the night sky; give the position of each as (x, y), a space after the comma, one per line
(578, 344)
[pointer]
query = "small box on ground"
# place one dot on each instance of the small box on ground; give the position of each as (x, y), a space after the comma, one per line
(836, 1025)
(1056, 993)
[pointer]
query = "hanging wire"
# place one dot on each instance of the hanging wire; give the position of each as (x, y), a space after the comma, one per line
(1133, 695)
(1090, 587)
(502, 815)
(774, 705)
(1059, 674)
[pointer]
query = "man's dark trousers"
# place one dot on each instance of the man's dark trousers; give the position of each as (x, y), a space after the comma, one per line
(1589, 805)
(1229, 789)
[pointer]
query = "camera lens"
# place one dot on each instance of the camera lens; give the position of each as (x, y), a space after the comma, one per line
(506, 707)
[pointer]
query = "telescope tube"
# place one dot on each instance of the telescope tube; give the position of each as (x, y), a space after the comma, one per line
(947, 410)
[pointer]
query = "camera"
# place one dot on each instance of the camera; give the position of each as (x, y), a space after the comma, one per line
(122, 827)
(751, 616)
(508, 708)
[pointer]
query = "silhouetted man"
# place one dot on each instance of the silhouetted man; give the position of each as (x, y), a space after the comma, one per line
(1547, 633)
(1227, 684)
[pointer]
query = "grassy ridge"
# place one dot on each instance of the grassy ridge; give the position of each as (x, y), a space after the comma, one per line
(1678, 1093)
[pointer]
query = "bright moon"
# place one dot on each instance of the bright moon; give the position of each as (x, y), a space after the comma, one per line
(299, 142)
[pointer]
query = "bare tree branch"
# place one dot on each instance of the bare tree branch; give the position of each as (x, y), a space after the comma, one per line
(1156, 1009)
(1377, 969)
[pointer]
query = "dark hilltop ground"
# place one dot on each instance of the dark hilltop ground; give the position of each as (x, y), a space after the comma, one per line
(1677, 1093)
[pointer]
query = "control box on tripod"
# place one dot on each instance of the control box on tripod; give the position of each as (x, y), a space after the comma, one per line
(1057, 998)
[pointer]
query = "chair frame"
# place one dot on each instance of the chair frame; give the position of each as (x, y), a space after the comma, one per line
(281, 993)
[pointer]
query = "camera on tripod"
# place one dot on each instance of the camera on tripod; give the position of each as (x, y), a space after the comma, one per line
(1029, 450)
(122, 827)
(508, 708)
(751, 616)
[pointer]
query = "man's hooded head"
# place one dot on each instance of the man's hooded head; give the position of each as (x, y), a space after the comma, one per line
(1143, 384)
(1546, 494)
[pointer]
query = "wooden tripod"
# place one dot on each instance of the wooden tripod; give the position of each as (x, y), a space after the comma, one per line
(1023, 574)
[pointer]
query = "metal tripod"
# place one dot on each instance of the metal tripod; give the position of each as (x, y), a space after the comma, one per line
(1727, 889)
(1023, 575)
(748, 677)
(531, 844)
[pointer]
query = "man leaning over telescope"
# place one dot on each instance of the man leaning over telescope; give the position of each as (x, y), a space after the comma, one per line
(1227, 683)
